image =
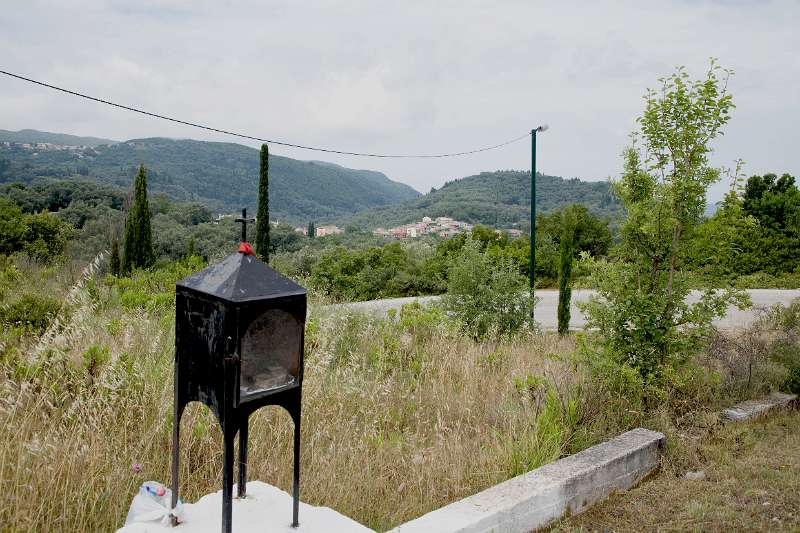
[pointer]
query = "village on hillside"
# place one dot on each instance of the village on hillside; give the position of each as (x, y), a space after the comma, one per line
(441, 226)
(43, 146)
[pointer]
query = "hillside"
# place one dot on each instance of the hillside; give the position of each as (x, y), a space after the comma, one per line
(222, 175)
(500, 199)
(35, 136)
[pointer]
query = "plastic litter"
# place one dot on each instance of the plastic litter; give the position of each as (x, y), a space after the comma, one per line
(152, 504)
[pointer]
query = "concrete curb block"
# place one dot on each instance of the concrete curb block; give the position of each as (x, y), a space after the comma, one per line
(541, 496)
(750, 409)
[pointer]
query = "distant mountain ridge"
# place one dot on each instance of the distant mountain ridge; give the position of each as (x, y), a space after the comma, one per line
(222, 175)
(35, 136)
(225, 177)
(500, 199)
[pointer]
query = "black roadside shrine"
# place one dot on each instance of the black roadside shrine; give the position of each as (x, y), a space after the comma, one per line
(239, 330)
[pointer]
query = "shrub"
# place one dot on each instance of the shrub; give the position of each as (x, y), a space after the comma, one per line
(154, 290)
(763, 357)
(31, 311)
(555, 417)
(785, 349)
(47, 236)
(421, 320)
(94, 358)
(487, 298)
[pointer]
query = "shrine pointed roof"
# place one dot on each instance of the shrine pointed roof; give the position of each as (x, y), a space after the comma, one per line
(241, 278)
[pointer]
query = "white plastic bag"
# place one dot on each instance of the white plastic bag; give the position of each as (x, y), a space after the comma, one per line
(152, 503)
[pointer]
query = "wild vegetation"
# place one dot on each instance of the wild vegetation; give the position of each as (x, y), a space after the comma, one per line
(404, 413)
(388, 406)
(412, 410)
(91, 216)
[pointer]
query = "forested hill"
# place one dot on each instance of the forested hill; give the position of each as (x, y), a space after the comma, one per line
(500, 199)
(222, 175)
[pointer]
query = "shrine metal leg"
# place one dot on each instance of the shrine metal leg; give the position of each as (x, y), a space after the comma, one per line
(296, 485)
(176, 433)
(227, 482)
(242, 486)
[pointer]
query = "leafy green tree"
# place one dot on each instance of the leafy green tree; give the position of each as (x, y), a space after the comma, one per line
(565, 274)
(42, 236)
(46, 237)
(774, 201)
(370, 273)
(114, 263)
(488, 237)
(283, 238)
(138, 234)
(190, 214)
(12, 227)
(591, 234)
(754, 230)
(312, 231)
(642, 318)
(262, 219)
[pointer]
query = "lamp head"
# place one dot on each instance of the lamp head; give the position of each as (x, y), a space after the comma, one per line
(542, 128)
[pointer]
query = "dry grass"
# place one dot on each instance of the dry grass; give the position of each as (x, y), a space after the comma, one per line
(752, 483)
(397, 420)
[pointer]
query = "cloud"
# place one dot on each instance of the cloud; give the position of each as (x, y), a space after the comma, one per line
(404, 76)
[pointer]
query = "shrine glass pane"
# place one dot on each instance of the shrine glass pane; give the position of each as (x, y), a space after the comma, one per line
(270, 354)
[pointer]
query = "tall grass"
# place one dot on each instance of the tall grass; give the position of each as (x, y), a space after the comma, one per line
(399, 417)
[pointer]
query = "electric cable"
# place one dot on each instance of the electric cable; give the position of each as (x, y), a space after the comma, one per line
(260, 139)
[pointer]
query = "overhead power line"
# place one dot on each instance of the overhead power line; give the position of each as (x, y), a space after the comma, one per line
(260, 139)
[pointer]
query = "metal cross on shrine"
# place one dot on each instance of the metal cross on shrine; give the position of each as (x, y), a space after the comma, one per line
(244, 220)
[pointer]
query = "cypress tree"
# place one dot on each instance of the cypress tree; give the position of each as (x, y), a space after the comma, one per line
(191, 249)
(311, 230)
(262, 219)
(138, 235)
(565, 274)
(114, 263)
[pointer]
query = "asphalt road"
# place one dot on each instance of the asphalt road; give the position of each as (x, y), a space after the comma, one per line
(548, 302)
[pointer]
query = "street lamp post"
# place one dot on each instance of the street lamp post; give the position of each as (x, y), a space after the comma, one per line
(534, 131)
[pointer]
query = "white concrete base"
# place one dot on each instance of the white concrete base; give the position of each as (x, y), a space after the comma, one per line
(750, 409)
(535, 499)
(266, 509)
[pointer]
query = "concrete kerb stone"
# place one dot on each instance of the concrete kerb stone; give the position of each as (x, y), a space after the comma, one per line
(541, 496)
(751, 409)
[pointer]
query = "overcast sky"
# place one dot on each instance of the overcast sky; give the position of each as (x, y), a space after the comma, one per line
(403, 77)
